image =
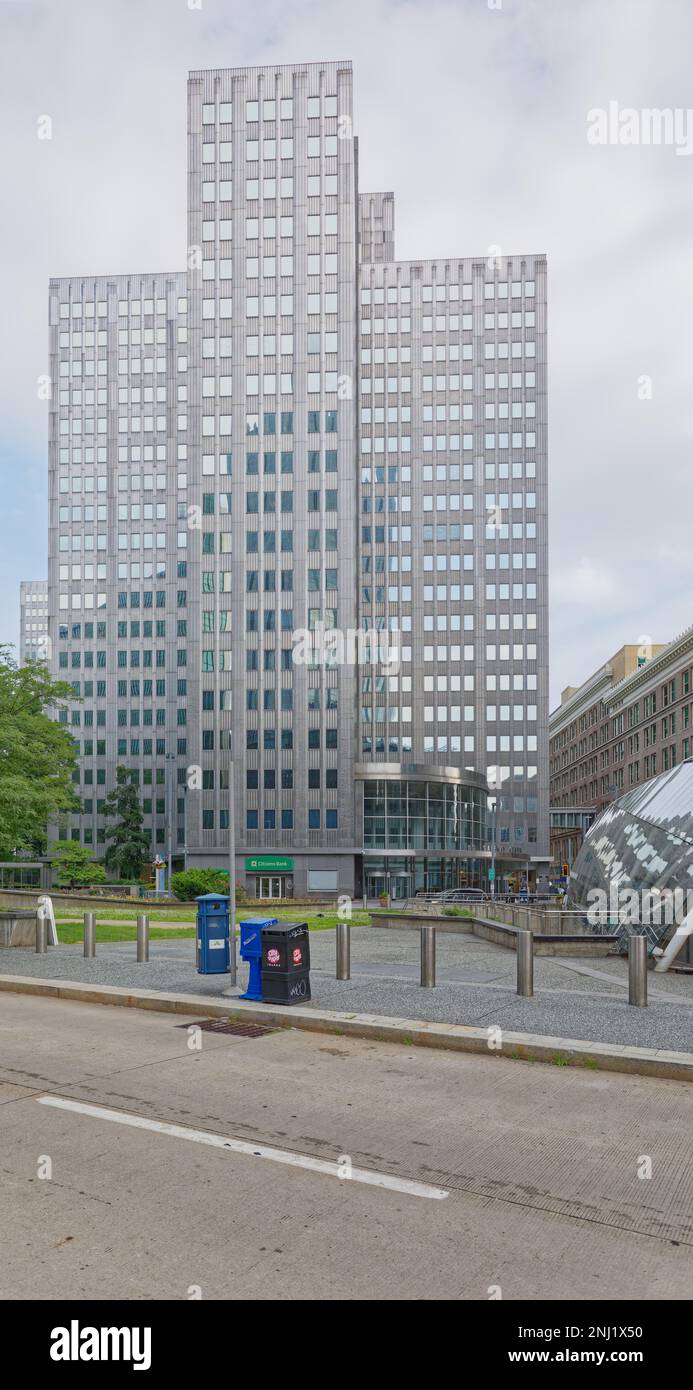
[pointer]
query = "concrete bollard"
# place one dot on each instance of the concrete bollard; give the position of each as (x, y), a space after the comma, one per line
(637, 971)
(428, 957)
(142, 937)
(41, 932)
(343, 951)
(89, 934)
(525, 964)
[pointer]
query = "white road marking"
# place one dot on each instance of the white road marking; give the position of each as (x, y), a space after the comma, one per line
(241, 1146)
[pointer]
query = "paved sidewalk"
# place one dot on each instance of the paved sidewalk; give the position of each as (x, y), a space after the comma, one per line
(476, 985)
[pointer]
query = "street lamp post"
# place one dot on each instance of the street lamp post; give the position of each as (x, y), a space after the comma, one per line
(493, 848)
(169, 874)
(170, 806)
(232, 879)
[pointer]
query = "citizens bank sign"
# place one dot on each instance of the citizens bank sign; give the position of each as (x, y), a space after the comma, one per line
(269, 864)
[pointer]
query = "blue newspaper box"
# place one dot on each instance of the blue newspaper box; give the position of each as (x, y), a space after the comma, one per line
(213, 951)
(251, 951)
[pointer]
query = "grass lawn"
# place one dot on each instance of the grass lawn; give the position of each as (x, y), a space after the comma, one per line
(169, 914)
(122, 926)
(72, 933)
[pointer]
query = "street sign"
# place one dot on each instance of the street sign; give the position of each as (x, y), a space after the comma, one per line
(491, 875)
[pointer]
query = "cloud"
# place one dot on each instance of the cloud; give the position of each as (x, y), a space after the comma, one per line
(477, 119)
(586, 583)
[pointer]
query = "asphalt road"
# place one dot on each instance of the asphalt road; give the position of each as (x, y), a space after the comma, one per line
(135, 1164)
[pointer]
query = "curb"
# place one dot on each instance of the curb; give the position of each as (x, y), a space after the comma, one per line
(454, 1037)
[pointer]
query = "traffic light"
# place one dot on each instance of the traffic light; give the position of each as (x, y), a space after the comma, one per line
(566, 870)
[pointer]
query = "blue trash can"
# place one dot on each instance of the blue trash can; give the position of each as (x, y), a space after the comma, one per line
(213, 949)
(251, 951)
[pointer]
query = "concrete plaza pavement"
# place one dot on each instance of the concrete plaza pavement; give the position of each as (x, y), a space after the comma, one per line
(574, 998)
(541, 1167)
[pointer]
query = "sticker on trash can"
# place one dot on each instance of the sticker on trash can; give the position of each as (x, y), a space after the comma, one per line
(273, 956)
(297, 955)
(216, 943)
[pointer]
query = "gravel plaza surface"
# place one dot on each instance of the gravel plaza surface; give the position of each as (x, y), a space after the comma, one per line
(578, 998)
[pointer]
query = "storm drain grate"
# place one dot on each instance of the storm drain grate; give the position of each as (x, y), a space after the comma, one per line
(226, 1025)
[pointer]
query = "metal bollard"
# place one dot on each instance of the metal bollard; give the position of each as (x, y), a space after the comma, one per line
(428, 957)
(89, 934)
(142, 937)
(525, 963)
(41, 932)
(343, 951)
(637, 971)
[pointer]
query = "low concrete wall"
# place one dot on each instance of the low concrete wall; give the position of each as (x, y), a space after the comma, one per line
(414, 920)
(545, 943)
(81, 902)
(28, 898)
(17, 928)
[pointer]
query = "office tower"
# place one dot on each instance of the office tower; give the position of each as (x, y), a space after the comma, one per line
(33, 620)
(356, 448)
(272, 292)
(117, 575)
(453, 540)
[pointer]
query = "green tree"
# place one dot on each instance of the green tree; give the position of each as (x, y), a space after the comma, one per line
(75, 864)
(129, 848)
(37, 755)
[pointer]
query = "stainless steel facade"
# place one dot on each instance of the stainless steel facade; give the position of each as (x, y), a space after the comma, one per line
(351, 445)
(376, 227)
(33, 620)
(453, 511)
(117, 546)
(272, 237)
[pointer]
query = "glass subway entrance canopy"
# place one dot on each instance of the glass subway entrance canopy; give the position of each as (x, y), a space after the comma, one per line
(639, 855)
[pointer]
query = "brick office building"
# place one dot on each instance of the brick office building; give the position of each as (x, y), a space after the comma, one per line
(631, 720)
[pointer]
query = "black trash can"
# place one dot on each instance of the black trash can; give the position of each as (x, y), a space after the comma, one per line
(285, 963)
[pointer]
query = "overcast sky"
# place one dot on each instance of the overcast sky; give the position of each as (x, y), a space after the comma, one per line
(475, 114)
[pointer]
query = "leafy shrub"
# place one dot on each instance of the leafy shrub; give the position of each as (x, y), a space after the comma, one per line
(75, 864)
(192, 883)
